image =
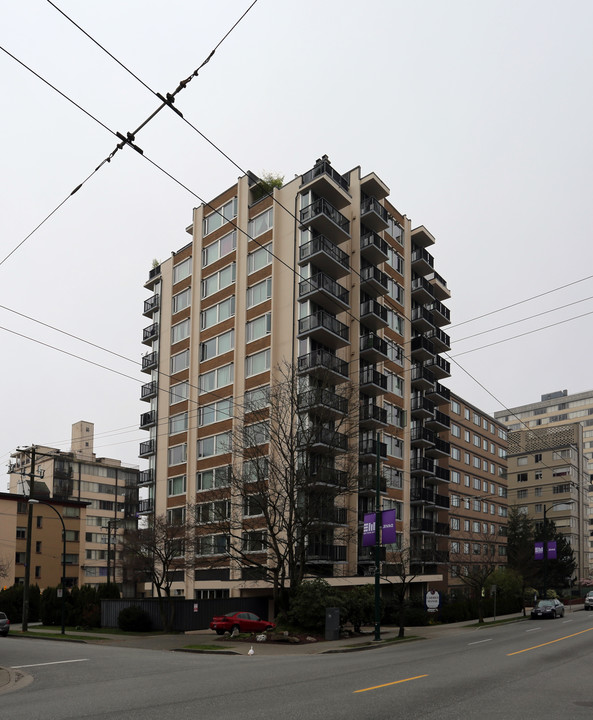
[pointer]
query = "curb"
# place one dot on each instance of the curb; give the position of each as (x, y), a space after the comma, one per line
(11, 679)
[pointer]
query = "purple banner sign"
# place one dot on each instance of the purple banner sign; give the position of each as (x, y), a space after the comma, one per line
(539, 551)
(388, 534)
(552, 550)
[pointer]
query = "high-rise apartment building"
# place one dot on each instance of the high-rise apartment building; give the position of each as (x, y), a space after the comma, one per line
(478, 492)
(558, 409)
(108, 487)
(328, 278)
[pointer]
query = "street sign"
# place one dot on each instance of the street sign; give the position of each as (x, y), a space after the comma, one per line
(433, 600)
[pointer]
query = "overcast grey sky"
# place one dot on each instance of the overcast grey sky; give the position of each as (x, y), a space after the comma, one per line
(477, 115)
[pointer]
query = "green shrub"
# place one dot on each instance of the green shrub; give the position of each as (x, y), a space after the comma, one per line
(308, 603)
(134, 619)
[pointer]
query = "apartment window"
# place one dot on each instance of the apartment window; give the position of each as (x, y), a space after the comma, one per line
(220, 216)
(476, 548)
(219, 248)
(180, 331)
(257, 363)
(455, 453)
(253, 505)
(37, 571)
(256, 399)
(466, 480)
(177, 454)
(260, 292)
(215, 412)
(178, 392)
(258, 328)
(522, 494)
(220, 377)
(485, 445)
(21, 533)
(213, 478)
(395, 260)
(455, 501)
(259, 258)
(561, 471)
(225, 342)
(522, 477)
(256, 433)
(455, 407)
(395, 352)
(393, 477)
(181, 300)
(523, 460)
(181, 271)
(395, 384)
(261, 223)
(454, 546)
(466, 548)
(476, 526)
(467, 436)
(466, 526)
(538, 475)
(176, 516)
(395, 321)
(455, 477)
(394, 445)
(466, 458)
(455, 430)
(477, 505)
(68, 512)
(477, 441)
(538, 491)
(38, 547)
(254, 541)
(214, 445)
(255, 470)
(476, 461)
(454, 523)
(217, 313)
(477, 420)
(466, 414)
(502, 453)
(178, 423)
(538, 507)
(176, 485)
(395, 229)
(70, 558)
(560, 489)
(210, 512)
(72, 535)
(395, 415)
(477, 484)
(212, 544)
(218, 280)
(180, 361)
(396, 291)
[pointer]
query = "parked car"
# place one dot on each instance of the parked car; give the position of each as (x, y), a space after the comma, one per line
(589, 600)
(548, 608)
(4, 624)
(243, 621)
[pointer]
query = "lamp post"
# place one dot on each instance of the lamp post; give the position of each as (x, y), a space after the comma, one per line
(42, 502)
(545, 538)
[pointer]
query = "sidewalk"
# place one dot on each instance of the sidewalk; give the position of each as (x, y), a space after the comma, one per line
(179, 642)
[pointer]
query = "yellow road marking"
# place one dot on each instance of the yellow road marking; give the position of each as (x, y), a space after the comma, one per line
(566, 637)
(396, 682)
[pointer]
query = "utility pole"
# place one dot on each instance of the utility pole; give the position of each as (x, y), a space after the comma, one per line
(25, 624)
(378, 543)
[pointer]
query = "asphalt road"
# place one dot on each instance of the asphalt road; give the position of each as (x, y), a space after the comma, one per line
(522, 670)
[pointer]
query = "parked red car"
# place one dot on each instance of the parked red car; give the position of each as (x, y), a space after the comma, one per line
(243, 621)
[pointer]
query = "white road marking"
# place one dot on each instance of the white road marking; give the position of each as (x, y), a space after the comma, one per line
(57, 662)
(480, 641)
(532, 629)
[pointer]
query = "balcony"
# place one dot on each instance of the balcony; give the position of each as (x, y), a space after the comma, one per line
(442, 473)
(421, 408)
(150, 333)
(439, 367)
(147, 448)
(373, 348)
(323, 217)
(146, 477)
(367, 448)
(373, 281)
(440, 314)
(327, 182)
(322, 552)
(421, 378)
(421, 349)
(439, 422)
(421, 237)
(441, 528)
(440, 449)
(325, 292)
(325, 255)
(422, 262)
(422, 291)
(148, 419)
(373, 248)
(440, 340)
(421, 466)
(373, 315)
(373, 214)
(422, 496)
(441, 501)
(439, 394)
(153, 275)
(323, 364)
(328, 477)
(372, 416)
(330, 516)
(367, 554)
(422, 525)
(439, 286)
(372, 382)
(146, 506)
(324, 440)
(325, 329)
(148, 390)
(150, 361)
(421, 437)
(367, 484)
(422, 319)
(151, 305)
(323, 403)
(373, 186)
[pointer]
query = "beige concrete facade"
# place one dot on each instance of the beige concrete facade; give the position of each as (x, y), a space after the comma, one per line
(326, 275)
(478, 491)
(109, 488)
(546, 473)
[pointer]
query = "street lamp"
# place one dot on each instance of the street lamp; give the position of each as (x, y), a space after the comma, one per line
(545, 530)
(42, 502)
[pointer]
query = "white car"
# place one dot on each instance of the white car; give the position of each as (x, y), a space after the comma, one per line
(589, 600)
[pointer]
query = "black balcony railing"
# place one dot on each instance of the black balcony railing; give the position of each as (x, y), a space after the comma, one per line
(323, 207)
(150, 333)
(329, 476)
(368, 446)
(320, 244)
(422, 435)
(148, 390)
(149, 361)
(323, 167)
(325, 321)
(326, 437)
(322, 360)
(372, 274)
(373, 343)
(148, 419)
(148, 447)
(422, 495)
(324, 398)
(323, 551)
(146, 506)
(371, 204)
(370, 376)
(326, 284)
(151, 304)
(373, 413)
(422, 465)
(146, 476)
(373, 242)
(372, 307)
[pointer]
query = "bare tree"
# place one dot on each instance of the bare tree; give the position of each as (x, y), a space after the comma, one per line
(295, 461)
(155, 554)
(5, 566)
(474, 567)
(399, 564)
